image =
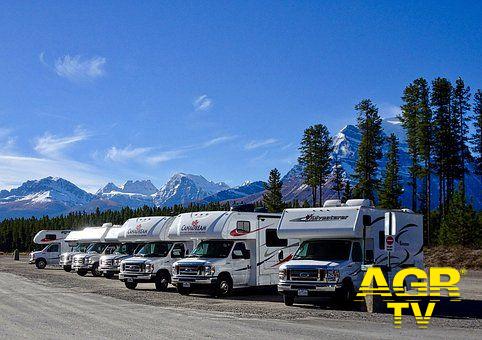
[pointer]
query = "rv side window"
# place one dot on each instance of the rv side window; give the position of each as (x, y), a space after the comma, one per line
(54, 248)
(50, 237)
(243, 226)
(272, 239)
(356, 254)
(381, 239)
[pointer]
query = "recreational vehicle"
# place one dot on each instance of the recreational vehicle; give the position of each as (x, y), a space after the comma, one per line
(55, 245)
(89, 261)
(110, 264)
(77, 240)
(234, 249)
(339, 241)
(153, 261)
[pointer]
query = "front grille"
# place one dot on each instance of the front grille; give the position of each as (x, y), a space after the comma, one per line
(306, 274)
(190, 270)
(107, 262)
(133, 267)
(79, 261)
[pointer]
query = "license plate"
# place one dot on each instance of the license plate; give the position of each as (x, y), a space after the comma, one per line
(302, 292)
(186, 284)
(130, 279)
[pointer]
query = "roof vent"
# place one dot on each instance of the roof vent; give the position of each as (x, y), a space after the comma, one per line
(332, 203)
(107, 225)
(359, 203)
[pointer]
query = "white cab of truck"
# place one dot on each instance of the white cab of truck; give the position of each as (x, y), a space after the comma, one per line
(109, 265)
(89, 261)
(234, 249)
(153, 261)
(339, 241)
(55, 244)
(79, 240)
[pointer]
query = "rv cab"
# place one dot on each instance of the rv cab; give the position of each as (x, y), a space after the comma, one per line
(55, 245)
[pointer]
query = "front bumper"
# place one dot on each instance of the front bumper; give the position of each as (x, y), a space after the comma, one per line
(31, 261)
(109, 269)
(83, 266)
(311, 288)
(65, 262)
(137, 277)
(194, 280)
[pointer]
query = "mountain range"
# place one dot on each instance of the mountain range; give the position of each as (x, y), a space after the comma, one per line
(54, 196)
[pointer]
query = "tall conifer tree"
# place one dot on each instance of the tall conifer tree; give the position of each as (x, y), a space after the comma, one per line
(338, 182)
(273, 198)
(476, 138)
(391, 189)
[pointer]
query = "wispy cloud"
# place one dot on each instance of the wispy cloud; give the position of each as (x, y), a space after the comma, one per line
(124, 154)
(255, 144)
(77, 68)
(51, 146)
(215, 141)
(165, 156)
(203, 103)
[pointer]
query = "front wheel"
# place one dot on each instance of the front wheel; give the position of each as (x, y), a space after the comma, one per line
(162, 280)
(81, 272)
(223, 286)
(67, 268)
(131, 285)
(345, 293)
(109, 275)
(289, 300)
(95, 270)
(40, 263)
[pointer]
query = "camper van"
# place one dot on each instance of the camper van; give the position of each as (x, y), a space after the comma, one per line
(234, 249)
(54, 241)
(77, 240)
(153, 261)
(339, 241)
(89, 261)
(110, 264)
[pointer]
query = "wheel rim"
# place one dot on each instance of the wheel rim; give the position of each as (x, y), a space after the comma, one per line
(224, 287)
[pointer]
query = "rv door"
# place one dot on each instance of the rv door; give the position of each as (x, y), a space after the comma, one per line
(240, 259)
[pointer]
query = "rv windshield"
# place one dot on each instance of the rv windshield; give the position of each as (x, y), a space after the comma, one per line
(80, 247)
(125, 249)
(213, 249)
(155, 249)
(324, 250)
(96, 248)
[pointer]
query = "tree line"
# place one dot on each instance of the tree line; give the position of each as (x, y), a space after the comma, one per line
(437, 119)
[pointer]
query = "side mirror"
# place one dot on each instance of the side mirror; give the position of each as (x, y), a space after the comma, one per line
(367, 220)
(280, 255)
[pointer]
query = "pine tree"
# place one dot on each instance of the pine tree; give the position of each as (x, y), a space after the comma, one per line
(443, 137)
(307, 161)
(338, 178)
(460, 108)
(369, 151)
(273, 199)
(391, 189)
(323, 151)
(409, 119)
(346, 192)
(476, 138)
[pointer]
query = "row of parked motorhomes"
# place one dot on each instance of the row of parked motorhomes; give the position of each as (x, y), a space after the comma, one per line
(305, 252)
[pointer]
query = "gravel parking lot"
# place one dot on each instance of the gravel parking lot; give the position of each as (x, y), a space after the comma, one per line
(462, 319)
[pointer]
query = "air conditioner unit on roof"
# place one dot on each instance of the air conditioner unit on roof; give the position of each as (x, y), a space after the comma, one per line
(332, 203)
(359, 203)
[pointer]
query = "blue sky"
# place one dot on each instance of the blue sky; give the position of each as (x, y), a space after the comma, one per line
(108, 91)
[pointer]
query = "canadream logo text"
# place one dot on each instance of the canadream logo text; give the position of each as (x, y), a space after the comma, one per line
(138, 230)
(194, 227)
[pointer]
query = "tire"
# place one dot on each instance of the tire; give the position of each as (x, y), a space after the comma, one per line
(223, 286)
(40, 263)
(345, 293)
(182, 290)
(162, 280)
(109, 275)
(288, 300)
(67, 268)
(95, 270)
(81, 272)
(131, 285)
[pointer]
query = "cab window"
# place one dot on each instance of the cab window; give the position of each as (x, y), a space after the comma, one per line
(178, 251)
(240, 251)
(356, 254)
(54, 248)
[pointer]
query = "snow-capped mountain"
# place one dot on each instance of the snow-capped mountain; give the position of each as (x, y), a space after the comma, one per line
(47, 196)
(186, 188)
(246, 189)
(132, 194)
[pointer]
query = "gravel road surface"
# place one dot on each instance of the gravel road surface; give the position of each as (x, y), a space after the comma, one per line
(54, 304)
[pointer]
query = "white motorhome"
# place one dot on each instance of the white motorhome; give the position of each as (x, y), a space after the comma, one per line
(153, 261)
(339, 241)
(77, 239)
(89, 261)
(55, 245)
(234, 249)
(110, 264)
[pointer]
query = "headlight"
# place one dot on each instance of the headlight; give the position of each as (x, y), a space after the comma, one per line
(116, 262)
(175, 269)
(69, 258)
(282, 274)
(332, 275)
(91, 260)
(209, 270)
(149, 268)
